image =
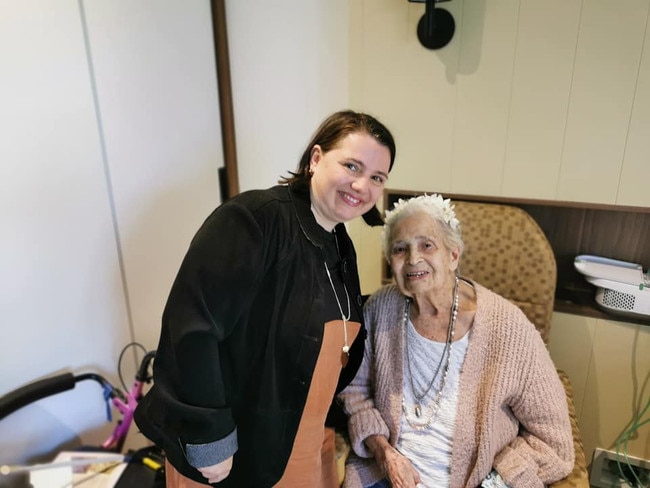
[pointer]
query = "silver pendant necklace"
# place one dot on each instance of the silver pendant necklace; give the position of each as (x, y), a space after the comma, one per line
(446, 352)
(346, 347)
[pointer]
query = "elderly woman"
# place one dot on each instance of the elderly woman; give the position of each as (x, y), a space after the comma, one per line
(456, 387)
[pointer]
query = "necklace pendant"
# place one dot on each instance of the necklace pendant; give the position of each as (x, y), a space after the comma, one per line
(345, 357)
(418, 411)
(346, 349)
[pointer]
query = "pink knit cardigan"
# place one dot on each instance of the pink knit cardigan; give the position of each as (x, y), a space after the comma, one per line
(512, 411)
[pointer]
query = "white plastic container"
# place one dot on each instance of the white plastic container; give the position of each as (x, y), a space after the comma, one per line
(622, 287)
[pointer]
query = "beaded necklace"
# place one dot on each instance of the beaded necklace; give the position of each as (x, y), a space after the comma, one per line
(445, 353)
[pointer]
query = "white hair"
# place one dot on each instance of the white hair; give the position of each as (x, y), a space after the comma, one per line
(439, 209)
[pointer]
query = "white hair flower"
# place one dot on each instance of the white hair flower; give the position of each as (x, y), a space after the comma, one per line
(435, 204)
(438, 208)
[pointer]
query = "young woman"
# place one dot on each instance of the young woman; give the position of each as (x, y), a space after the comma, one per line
(263, 325)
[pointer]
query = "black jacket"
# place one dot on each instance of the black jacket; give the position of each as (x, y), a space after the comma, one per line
(241, 333)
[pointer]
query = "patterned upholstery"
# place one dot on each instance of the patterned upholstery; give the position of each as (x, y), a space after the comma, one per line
(579, 477)
(507, 252)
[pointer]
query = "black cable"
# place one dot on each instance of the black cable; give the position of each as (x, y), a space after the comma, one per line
(119, 361)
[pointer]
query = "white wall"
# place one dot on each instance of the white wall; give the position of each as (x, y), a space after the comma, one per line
(546, 100)
(109, 150)
(108, 164)
(541, 100)
(158, 103)
(289, 68)
(61, 297)
(108, 157)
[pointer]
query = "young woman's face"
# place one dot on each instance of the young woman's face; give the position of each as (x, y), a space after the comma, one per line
(419, 260)
(347, 180)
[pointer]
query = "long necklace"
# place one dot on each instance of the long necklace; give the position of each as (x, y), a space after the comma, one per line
(346, 347)
(446, 352)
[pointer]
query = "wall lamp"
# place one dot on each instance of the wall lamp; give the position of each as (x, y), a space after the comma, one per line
(436, 27)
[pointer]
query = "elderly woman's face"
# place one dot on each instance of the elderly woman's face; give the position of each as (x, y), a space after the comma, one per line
(418, 257)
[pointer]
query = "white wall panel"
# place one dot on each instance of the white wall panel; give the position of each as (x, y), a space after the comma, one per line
(571, 333)
(540, 96)
(552, 103)
(616, 389)
(109, 154)
(634, 188)
(604, 80)
(289, 70)
(61, 297)
(413, 94)
(156, 81)
(481, 118)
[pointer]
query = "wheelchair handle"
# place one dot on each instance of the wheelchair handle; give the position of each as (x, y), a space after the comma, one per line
(34, 391)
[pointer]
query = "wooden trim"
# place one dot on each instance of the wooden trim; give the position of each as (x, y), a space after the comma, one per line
(388, 193)
(220, 35)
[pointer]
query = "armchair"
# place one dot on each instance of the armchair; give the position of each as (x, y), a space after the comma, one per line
(506, 251)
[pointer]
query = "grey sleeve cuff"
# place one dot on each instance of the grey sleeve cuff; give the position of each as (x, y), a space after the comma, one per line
(203, 455)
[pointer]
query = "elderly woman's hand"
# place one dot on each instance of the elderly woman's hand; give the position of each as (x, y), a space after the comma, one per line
(400, 471)
(397, 468)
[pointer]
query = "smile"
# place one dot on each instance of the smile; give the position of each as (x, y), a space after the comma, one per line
(416, 274)
(350, 199)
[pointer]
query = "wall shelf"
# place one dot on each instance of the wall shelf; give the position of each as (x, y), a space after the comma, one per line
(574, 228)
